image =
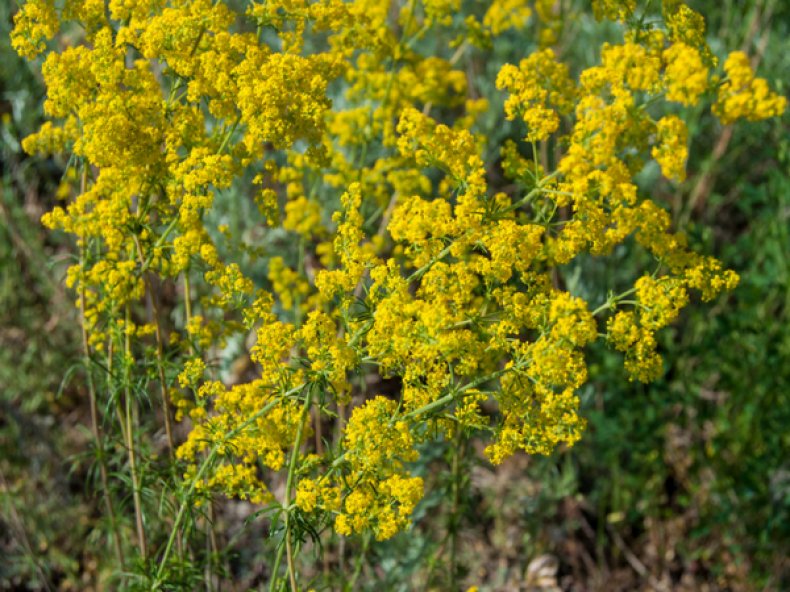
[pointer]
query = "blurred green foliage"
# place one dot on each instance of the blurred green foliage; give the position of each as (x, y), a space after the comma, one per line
(43, 507)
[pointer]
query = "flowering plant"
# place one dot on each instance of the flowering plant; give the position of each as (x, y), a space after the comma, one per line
(414, 252)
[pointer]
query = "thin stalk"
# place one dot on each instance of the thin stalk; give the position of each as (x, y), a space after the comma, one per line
(160, 241)
(181, 511)
(162, 381)
(342, 411)
(226, 139)
(450, 397)
(385, 219)
(187, 299)
(289, 487)
(539, 188)
(160, 366)
(160, 358)
(212, 546)
(95, 430)
(290, 559)
(454, 521)
(438, 404)
(277, 560)
(130, 444)
(359, 562)
(201, 472)
(118, 402)
(425, 268)
(614, 300)
(446, 250)
(319, 450)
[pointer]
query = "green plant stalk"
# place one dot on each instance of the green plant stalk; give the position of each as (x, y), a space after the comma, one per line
(180, 515)
(160, 362)
(287, 503)
(212, 546)
(159, 243)
(425, 268)
(454, 521)
(439, 404)
(450, 397)
(613, 301)
(290, 556)
(202, 470)
(359, 562)
(95, 428)
(277, 560)
(130, 444)
(160, 366)
(289, 486)
(92, 400)
(118, 402)
(187, 300)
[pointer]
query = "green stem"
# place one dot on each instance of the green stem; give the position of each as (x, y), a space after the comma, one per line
(612, 301)
(454, 521)
(130, 444)
(181, 510)
(227, 138)
(425, 268)
(187, 299)
(450, 397)
(160, 358)
(437, 404)
(289, 486)
(160, 241)
(446, 251)
(359, 563)
(277, 560)
(202, 470)
(95, 425)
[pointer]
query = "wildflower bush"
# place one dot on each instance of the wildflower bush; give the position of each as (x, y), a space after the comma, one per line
(402, 281)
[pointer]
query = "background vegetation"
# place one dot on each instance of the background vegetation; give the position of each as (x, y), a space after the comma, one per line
(683, 484)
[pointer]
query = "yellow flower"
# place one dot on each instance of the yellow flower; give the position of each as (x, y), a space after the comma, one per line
(671, 150)
(685, 76)
(742, 95)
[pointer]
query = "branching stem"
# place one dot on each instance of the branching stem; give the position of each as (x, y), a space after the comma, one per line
(95, 430)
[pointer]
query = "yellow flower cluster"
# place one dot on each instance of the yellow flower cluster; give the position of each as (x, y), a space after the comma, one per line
(506, 14)
(377, 444)
(671, 150)
(686, 75)
(540, 92)
(230, 422)
(742, 95)
(36, 23)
